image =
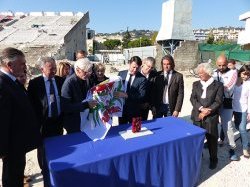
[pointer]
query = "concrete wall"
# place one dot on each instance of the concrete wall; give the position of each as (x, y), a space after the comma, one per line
(76, 38)
(176, 21)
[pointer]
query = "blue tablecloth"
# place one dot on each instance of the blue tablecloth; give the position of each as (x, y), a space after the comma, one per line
(169, 157)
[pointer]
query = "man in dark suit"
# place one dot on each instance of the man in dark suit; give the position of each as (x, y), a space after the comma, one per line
(135, 85)
(148, 71)
(74, 91)
(206, 98)
(19, 132)
(44, 92)
(168, 90)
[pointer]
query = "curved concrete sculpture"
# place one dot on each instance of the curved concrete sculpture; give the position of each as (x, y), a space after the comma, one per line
(176, 21)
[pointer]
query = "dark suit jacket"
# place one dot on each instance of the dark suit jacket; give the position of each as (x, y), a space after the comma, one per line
(136, 94)
(38, 97)
(74, 91)
(18, 127)
(175, 91)
(213, 100)
(150, 89)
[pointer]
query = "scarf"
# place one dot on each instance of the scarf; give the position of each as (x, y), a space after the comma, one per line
(205, 85)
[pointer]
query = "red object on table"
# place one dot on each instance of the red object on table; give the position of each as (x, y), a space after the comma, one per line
(136, 124)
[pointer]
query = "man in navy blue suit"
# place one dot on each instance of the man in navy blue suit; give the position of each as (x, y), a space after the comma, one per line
(19, 132)
(45, 94)
(135, 90)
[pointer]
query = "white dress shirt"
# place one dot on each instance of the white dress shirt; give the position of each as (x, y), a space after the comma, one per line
(127, 79)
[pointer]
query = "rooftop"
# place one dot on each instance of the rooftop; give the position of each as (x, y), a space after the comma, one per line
(36, 28)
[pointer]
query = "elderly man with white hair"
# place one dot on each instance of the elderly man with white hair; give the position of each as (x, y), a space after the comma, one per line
(206, 98)
(74, 91)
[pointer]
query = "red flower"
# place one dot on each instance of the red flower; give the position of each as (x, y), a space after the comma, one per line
(105, 116)
(110, 85)
(101, 87)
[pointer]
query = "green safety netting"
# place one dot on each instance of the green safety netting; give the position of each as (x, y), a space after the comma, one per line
(232, 51)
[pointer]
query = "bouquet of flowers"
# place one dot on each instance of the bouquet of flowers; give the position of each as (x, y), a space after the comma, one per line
(97, 121)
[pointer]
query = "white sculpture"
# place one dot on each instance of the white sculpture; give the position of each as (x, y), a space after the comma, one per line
(176, 21)
(244, 36)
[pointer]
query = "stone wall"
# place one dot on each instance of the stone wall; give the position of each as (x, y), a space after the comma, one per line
(159, 55)
(186, 56)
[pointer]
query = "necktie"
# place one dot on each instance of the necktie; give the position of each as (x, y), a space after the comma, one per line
(166, 79)
(54, 109)
(129, 83)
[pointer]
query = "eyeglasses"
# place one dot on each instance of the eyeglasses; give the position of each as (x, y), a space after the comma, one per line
(84, 72)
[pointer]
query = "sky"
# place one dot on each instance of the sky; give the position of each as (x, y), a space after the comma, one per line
(107, 16)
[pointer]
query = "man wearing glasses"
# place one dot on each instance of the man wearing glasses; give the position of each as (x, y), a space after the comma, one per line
(74, 91)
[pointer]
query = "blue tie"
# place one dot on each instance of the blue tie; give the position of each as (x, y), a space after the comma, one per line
(54, 109)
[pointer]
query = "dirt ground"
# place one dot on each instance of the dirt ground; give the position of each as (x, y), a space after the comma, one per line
(227, 174)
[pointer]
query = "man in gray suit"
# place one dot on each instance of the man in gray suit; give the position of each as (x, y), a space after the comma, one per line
(168, 86)
(206, 98)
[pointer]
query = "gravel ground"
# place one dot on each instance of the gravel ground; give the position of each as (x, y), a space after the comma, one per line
(227, 174)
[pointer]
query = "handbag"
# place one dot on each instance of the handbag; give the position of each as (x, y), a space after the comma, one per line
(227, 103)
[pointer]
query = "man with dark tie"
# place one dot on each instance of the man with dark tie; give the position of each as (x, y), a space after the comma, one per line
(135, 90)
(19, 132)
(44, 92)
(168, 86)
(74, 92)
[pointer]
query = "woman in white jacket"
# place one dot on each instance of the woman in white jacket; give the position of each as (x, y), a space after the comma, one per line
(241, 105)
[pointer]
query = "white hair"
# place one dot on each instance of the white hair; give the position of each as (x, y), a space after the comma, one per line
(83, 64)
(43, 60)
(207, 67)
(151, 60)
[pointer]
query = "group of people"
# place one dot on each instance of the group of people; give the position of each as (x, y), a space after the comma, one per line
(53, 101)
(222, 94)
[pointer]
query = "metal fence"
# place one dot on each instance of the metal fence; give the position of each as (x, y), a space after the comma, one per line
(142, 52)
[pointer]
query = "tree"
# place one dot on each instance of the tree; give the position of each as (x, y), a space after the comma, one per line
(153, 38)
(126, 39)
(146, 42)
(140, 42)
(210, 39)
(112, 43)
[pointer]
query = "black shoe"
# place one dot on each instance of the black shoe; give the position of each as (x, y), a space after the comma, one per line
(213, 164)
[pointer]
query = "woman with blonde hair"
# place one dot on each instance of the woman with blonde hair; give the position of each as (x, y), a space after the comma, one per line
(99, 70)
(63, 69)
